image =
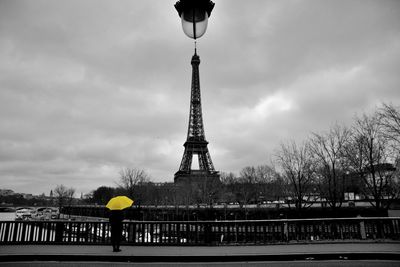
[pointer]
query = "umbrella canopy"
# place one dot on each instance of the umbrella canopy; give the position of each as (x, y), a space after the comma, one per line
(119, 203)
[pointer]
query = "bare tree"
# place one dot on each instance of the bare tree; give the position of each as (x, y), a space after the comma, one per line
(228, 181)
(328, 150)
(297, 166)
(227, 178)
(132, 181)
(245, 186)
(372, 157)
(253, 184)
(389, 119)
(265, 174)
(102, 195)
(268, 184)
(186, 193)
(248, 175)
(208, 189)
(63, 196)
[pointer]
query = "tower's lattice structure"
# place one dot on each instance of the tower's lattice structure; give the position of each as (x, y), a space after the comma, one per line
(196, 143)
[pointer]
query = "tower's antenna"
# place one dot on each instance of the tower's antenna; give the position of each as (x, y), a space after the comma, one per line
(195, 47)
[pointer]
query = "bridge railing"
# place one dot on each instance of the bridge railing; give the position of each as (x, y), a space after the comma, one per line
(200, 232)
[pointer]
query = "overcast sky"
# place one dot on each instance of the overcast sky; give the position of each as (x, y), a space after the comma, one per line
(90, 87)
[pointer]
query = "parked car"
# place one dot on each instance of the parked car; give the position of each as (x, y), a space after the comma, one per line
(55, 213)
(46, 213)
(24, 214)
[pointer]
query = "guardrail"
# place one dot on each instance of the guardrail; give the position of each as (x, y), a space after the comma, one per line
(201, 232)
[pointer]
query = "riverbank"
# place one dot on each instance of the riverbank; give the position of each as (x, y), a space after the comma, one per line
(10, 216)
(82, 218)
(7, 216)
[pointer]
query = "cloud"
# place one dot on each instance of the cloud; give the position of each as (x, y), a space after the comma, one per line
(87, 88)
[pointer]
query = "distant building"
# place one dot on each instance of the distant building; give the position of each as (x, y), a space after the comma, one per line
(383, 172)
(6, 192)
(357, 183)
(27, 196)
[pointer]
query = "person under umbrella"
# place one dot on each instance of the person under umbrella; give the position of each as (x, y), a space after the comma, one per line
(116, 205)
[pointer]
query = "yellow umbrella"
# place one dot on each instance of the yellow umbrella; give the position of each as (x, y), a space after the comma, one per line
(119, 203)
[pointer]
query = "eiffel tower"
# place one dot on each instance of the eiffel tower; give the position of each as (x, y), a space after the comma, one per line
(196, 143)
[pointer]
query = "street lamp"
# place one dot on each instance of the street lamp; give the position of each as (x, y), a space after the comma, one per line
(194, 15)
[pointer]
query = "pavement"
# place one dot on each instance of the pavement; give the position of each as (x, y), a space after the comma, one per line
(376, 251)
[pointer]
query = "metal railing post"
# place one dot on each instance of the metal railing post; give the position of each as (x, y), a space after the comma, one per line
(285, 232)
(362, 229)
(59, 232)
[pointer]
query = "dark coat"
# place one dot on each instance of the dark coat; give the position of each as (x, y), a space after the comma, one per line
(116, 217)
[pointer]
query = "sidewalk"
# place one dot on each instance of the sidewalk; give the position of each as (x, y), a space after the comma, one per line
(323, 251)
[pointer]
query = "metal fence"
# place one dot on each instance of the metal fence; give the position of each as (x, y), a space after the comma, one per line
(201, 232)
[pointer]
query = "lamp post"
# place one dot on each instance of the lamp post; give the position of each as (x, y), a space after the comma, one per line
(194, 15)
